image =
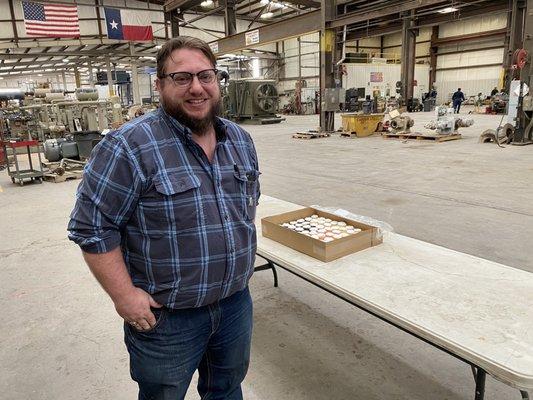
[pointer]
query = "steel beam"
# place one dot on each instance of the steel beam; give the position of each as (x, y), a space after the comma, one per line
(230, 19)
(87, 54)
(408, 56)
(67, 42)
(327, 72)
(515, 38)
(470, 37)
(395, 25)
(181, 4)
(470, 66)
(289, 28)
(355, 17)
(433, 57)
(306, 3)
(13, 21)
(110, 81)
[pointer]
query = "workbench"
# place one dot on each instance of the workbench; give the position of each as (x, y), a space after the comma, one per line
(476, 310)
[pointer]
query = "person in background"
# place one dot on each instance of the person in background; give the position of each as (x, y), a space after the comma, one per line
(478, 103)
(494, 92)
(457, 99)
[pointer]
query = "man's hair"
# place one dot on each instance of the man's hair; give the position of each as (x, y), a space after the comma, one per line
(459, 89)
(182, 42)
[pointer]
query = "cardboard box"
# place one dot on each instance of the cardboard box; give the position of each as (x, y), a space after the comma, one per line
(323, 251)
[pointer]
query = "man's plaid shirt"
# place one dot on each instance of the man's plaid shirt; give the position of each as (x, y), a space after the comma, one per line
(185, 225)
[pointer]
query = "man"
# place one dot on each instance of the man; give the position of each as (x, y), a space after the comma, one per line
(165, 218)
(494, 92)
(457, 98)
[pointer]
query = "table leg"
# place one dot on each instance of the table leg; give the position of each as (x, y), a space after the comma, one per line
(269, 265)
(480, 376)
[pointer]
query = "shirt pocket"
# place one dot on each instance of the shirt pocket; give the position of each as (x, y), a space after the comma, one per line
(175, 203)
(248, 187)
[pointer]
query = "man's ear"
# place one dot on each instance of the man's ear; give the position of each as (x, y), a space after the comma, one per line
(158, 84)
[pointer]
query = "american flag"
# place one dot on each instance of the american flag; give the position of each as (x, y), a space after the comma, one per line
(50, 20)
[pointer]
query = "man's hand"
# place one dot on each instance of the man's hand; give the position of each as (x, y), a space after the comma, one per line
(134, 307)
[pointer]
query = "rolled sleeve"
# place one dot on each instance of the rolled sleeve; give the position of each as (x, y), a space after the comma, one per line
(106, 197)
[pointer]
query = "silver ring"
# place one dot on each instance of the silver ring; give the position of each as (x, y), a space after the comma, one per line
(134, 323)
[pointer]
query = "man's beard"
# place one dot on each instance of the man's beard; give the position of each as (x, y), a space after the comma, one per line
(198, 126)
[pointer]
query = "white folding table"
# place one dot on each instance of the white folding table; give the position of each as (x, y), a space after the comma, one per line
(476, 310)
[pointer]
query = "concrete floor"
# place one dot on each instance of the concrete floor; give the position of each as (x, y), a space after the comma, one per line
(61, 339)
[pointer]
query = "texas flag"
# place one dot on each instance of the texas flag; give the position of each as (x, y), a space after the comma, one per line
(128, 24)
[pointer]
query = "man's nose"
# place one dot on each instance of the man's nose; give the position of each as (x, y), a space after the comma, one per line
(196, 86)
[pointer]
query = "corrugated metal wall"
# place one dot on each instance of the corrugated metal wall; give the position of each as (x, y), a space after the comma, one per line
(359, 76)
(474, 74)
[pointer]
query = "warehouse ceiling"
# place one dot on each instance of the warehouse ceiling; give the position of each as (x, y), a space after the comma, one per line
(250, 10)
(363, 18)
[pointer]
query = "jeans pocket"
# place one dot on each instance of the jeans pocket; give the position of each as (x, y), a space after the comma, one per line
(160, 316)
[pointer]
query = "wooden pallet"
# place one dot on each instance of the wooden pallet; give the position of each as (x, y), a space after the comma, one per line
(420, 136)
(354, 134)
(68, 175)
(310, 135)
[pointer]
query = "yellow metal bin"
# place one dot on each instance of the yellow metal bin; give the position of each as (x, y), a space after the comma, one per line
(361, 124)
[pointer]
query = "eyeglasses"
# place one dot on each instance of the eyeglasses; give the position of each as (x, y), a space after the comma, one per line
(184, 79)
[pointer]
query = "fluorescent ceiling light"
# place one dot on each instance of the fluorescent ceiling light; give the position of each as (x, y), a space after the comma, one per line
(267, 15)
(39, 74)
(448, 10)
(264, 2)
(158, 46)
(65, 60)
(206, 3)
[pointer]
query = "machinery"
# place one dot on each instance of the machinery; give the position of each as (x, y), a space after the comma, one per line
(400, 124)
(368, 105)
(498, 103)
(429, 100)
(352, 96)
(522, 133)
(447, 123)
(252, 100)
(51, 115)
(76, 147)
(520, 76)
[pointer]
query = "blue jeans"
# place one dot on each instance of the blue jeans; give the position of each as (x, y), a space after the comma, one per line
(214, 339)
(456, 106)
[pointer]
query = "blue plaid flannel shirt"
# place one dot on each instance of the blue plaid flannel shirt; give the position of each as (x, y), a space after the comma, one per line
(185, 225)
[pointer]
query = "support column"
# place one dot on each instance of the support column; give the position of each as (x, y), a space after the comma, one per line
(135, 83)
(134, 76)
(515, 36)
(110, 81)
(230, 17)
(174, 22)
(433, 50)
(327, 74)
(408, 56)
(64, 76)
(91, 75)
(77, 77)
